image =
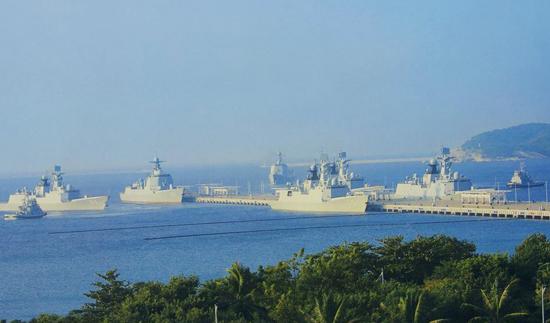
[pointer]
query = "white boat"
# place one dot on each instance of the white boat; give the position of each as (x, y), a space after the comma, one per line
(56, 196)
(327, 189)
(29, 209)
(158, 188)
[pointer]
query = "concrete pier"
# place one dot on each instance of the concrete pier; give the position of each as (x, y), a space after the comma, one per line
(535, 211)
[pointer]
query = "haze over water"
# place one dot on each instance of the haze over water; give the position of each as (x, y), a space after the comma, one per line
(48, 264)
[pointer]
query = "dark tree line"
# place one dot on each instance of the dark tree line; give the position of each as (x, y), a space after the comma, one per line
(428, 279)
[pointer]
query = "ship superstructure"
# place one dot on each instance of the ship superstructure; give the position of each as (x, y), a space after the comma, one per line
(438, 181)
(279, 173)
(521, 179)
(53, 195)
(327, 189)
(158, 188)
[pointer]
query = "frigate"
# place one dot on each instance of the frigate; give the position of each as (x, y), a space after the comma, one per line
(439, 181)
(327, 189)
(521, 179)
(279, 173)
(56, 196)
(29, 209)
(158, 188)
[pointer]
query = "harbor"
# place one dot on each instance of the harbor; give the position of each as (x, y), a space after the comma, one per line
(439, 191)
(522, 210)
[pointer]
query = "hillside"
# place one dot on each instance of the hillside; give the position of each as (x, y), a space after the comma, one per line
(524, 141)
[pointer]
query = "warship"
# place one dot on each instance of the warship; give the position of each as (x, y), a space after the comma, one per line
(439, 181)
(56, 196)
(279, 174)
(327, 189)
(521, 179)
(29, 209)
(158, 188)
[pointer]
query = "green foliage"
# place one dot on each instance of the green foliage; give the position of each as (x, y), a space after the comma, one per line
(416, 260)
(338, 269)
(529, 256)
(495, 305)
(108, 296)
(330, 308)
(470, 275)
(425, 280)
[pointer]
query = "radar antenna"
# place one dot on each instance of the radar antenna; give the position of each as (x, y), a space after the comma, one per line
(157, 163)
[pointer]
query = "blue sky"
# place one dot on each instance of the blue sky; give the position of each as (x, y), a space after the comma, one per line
(108, 84)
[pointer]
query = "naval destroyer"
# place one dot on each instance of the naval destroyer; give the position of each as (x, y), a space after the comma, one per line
(56, 196)
(521, 179)
(158, 188)
(280, 174)
(327, 189)
(439, 181)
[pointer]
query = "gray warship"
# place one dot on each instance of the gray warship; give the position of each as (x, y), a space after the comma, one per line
(327, 189)
(158, 188)
(56, 196)
(521, 179)
(280, 174)
(439, 181)
(28, 209)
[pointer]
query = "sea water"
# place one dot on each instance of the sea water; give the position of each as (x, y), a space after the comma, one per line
(47, 264)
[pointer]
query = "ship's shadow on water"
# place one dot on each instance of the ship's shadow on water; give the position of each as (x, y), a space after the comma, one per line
(51, 262)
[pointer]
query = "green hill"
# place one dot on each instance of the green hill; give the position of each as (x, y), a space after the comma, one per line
(530, 140)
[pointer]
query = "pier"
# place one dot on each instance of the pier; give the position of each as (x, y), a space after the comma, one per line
(534, 211)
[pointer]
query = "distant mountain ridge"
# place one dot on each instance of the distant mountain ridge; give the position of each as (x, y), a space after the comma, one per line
(530, 140)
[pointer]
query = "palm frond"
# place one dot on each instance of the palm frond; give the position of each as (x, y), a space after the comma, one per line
(505, 296)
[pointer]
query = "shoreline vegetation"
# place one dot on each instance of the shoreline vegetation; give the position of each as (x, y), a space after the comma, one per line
(427, 279)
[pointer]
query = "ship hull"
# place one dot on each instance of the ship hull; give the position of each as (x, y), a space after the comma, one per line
(342, 205)
(95, 203)
(22, 217)
(171, 196)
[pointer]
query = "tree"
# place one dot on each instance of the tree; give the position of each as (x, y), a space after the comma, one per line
(108, 296)
(469, 275)
(495, 304)
(529, 256)
(330, 308)
(415, 260)
(341, 269)
(242, 291)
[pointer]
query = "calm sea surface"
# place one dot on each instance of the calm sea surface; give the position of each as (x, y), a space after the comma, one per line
(46, 265)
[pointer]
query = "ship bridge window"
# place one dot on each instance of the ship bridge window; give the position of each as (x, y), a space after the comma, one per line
(289, 193)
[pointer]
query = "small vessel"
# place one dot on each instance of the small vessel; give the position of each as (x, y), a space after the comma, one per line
(29, 209)
(56, 196)
(158, 188)
(439, 181)
(327, 189)
(521, 179)
(280, 174)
